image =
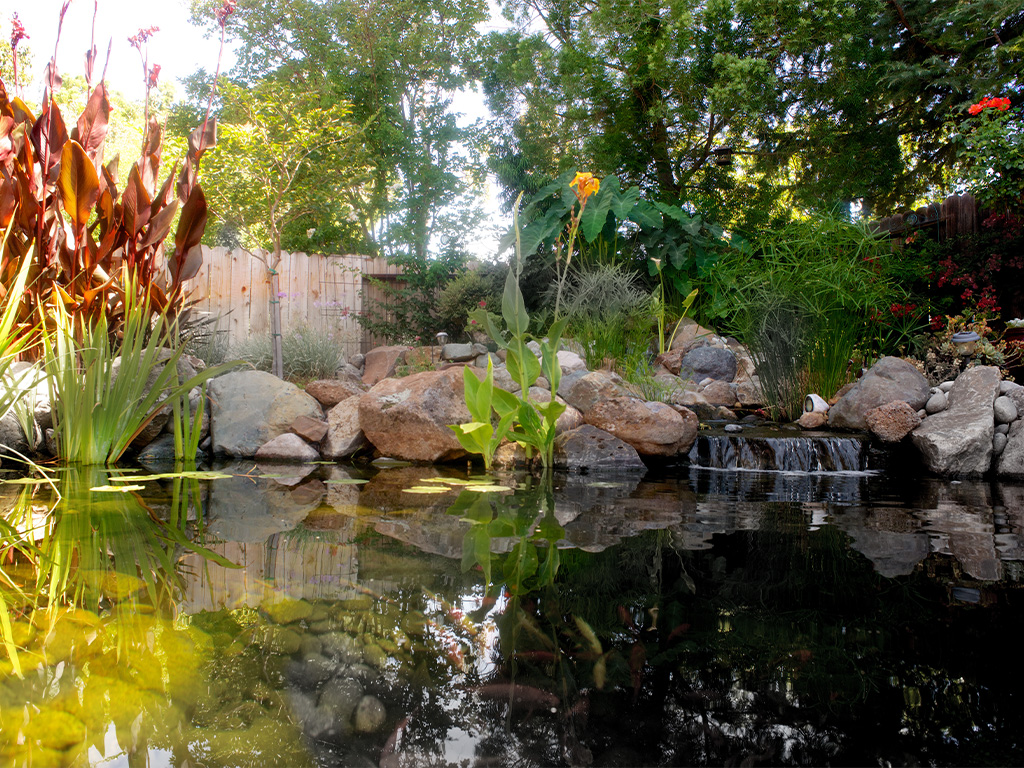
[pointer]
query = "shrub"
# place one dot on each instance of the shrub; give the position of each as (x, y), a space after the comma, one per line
(308, 354)
(469, 291)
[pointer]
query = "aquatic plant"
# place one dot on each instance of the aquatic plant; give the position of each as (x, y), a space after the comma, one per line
(481, 435)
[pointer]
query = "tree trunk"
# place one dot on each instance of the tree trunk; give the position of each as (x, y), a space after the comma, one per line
(275, 315)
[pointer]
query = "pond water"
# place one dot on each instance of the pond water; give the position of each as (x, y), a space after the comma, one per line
(328, 616)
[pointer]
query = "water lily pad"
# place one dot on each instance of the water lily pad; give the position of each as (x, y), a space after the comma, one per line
(30, 481)
(425, 489)
(347, 481)
(187, 475)
(390, 463)
(488, 488)
(117, 488)
(450, 481)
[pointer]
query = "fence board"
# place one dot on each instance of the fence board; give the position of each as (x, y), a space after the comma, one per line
(324, 293)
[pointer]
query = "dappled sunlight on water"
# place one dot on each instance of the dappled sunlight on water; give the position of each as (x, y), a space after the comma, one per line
(324, 615)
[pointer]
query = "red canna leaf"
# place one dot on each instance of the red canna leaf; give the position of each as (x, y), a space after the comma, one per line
(78, 185)
(135, 203)
(49, 131)
(190, 232)
(93, 123)
(160, 225)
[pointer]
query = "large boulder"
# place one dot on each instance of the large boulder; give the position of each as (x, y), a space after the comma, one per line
(653, 429)
(890, 379)
(381, 363)
(344, 436)
(408, 418)
(590, 448)
(958, 441)
(586, 391)
(250, 408)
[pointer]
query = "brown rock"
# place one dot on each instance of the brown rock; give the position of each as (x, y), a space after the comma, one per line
(690, 332)
(381, 363)
(309, 429)
(671, 360)
(586, 391)
(330, 392)
(653, 429)
(812, 419)
(344, 437)
(890, 379)
(893, 421)
(720, 393)
(408, 418)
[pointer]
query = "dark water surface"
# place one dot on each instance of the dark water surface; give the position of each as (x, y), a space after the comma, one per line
(696, 617)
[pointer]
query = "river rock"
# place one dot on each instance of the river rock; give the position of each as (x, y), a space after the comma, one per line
(689, 332)
(812, 420)
(590, 448)
(1004, 410)
(652, 428)
(288, 447)
(893, 421)
(408, 418)
(330, 392)
(344, 436)
(958, 441)
(312, 430)
(250, 408)
(1011, 460)
(570, 362)
(381, 363)
(999, 441)
(370, 715)
(458, 353)
(890, 379)
(708, 362)
(588, 390)
(936, 403)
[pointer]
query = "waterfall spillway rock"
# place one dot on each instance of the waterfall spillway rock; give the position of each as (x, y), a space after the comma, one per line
(769, 451)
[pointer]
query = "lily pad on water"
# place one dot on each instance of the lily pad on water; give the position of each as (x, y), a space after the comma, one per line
(188, 475)
(347, 481)
(390, 463)
(30, 481)
(451, 481)
(117, 488)
(488, 488)
(426, 489)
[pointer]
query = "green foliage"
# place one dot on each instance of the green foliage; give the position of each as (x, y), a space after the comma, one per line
(480, 435)
(103, 395)
(406, 307)
(308, 354)
(609, 316)
(804, 299)
(991, 145)
(464, 294)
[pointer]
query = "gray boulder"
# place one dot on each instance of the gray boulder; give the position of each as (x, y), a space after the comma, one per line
(890, 379)
(590, 448)
(249, 408)
(288, 447)
(708, 363)
(958, 441)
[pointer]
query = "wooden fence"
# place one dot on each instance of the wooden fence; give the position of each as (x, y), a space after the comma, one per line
(954, 216)
(324, 293)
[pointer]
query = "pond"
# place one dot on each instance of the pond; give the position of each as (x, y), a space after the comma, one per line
(418, 616)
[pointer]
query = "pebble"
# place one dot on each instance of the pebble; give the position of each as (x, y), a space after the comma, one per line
(1002, 429)
(998, 443)
(370, 715)
(936, 403)
(733, 428)
(946, 386)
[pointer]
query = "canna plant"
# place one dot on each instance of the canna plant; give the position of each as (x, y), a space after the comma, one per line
(89, 222)
(534, 421)
(481, 435)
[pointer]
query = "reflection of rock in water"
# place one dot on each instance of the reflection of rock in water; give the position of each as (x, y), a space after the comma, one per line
(783, 454)
(891, 538)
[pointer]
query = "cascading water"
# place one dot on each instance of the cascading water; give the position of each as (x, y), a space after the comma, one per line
(772, 452)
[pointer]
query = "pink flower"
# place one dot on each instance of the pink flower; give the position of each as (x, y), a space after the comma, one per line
(18, 32)
(140, 37)
(482, 303)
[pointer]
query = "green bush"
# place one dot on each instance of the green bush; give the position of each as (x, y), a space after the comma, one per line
(464, 294)
(308, 354)
(806, 299)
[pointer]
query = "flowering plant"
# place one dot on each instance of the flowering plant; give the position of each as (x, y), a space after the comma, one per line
(993, 147)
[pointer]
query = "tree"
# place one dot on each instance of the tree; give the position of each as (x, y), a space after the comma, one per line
(741, 105)
(281, 157)
(397, 63)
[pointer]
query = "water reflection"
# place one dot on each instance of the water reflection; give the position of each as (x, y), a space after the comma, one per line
(706, 617)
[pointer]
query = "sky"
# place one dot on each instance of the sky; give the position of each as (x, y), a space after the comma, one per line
(179, 48)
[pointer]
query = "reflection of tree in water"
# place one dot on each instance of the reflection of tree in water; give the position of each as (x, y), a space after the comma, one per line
(777, 646)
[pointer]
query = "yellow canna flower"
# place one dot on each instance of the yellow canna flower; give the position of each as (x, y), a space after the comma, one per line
(584, 184)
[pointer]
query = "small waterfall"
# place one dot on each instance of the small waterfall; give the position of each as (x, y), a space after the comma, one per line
(800, 453)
